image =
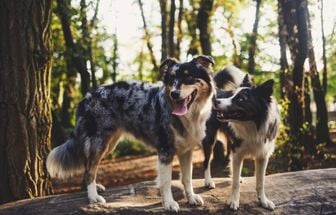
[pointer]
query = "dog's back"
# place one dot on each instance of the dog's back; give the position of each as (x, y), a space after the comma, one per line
(229, 78)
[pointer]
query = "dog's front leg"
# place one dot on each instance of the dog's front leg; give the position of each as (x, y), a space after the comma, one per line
(236, 167)
(260, 167)
(165, 177)
(186, 169)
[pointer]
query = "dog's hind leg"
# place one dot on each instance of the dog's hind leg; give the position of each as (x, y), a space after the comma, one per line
(208, 144)
(260, 168)
(236, 167)
(98, 146)
(186, 169)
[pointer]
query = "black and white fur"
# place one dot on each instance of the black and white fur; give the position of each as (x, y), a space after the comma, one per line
(248, 117)
(170, 117)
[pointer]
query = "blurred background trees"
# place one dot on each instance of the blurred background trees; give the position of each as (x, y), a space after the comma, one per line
(103, 41)
(266, 38)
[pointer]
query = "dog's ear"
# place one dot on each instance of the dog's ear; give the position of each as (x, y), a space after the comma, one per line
(205, 61)
(166, 64)
(266, 88)
(247, 82)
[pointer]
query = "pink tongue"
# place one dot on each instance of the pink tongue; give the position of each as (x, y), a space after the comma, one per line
(181, 109)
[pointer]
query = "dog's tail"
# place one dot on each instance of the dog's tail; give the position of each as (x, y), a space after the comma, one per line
(66, 160)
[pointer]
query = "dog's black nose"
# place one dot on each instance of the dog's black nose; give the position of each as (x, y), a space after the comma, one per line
(217, 102)
(175, 94)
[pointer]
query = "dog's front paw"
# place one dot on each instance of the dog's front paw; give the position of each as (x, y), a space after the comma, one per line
(96, 199)
(209, 183)
(234, 203)
(266, 203)
(100, 188)
(195, 200)
(171, 205)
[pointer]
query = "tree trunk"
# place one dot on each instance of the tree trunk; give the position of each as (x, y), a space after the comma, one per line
(25, 111)
(171, 33)
(203, 21)
(253, 39)
(324, 57)
(179, 34)
(229, 29)
(322, 130)
(308, 141)
(284, 78)
(163, 10)
(148, 42)
(115, 58)
(73, 51)
(86, 29)
(191, 18)
(297, 35)
(71, 75)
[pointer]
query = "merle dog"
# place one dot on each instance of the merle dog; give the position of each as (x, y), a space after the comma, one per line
(170, 117)
(247, 117)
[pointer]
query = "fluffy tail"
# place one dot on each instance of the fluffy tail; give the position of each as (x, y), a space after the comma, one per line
(65, 160)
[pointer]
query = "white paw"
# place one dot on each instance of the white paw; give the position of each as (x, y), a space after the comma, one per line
(100, 188)
(266, 203)
(209, 183)
(171, 205)
(96, 199)
(195, 200)
(234, 203)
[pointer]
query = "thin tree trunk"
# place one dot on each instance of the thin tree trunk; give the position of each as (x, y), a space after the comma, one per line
(163, 10)
(324, 57)
(147, 39)
(87, 38)
(171, 32)
(191, 18)
(140, 68)
(179, 34)
(308, 141)
(230, 31)
(73, 50)
(115, 58)
(25, 109)
(322, 130)
(203, 21)
(253, 39)
(284, 78)
(89, 41)
(71, 75)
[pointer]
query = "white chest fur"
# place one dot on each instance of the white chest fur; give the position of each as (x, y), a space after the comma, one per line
(254, 141)
(194, 128)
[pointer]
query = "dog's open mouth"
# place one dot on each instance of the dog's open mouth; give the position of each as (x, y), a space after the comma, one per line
(182, 106)
(227, 115)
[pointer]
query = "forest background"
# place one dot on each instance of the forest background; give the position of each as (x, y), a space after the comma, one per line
(87, 43)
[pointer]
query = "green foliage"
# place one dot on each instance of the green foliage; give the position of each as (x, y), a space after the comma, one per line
(128, 147)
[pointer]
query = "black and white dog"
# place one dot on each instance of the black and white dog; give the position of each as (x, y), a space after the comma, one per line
(247, 117)
(171, 117)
